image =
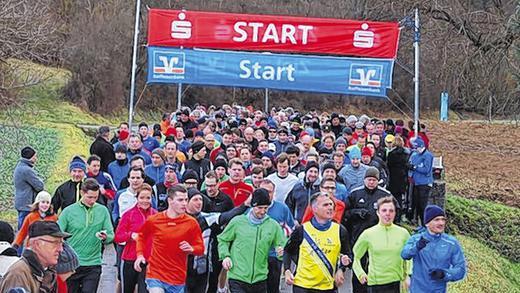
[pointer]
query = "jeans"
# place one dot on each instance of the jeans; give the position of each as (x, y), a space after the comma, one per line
(236, 286)
(21, 218)
(84, 280)
(158, 286)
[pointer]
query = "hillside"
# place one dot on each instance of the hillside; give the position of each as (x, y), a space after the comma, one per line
(490, 229)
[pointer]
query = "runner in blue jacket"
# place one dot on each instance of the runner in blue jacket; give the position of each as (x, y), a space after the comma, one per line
(437, 257)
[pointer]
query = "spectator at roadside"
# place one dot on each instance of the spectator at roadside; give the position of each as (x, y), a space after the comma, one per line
(103, 148)
(27, 183)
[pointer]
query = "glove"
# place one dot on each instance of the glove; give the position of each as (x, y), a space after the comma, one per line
(410, 167)
(421, 243)
(437, 274)
(15, 246)
(361, 213)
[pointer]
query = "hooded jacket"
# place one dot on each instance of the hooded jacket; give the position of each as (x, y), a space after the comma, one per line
(251, 246)
(422, 172)
(26, 185)
(118, 170)
(442, 252)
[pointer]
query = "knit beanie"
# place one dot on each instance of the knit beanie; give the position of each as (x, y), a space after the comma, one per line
(123, 134)
(311, 165)
(354, 153)
(366, 152)
(121, 148)
(68, 260)
(190, 174)
(160, 153)
(260, 198)
(372, 172)
(220, 163)
(339, 141)
(6, 232)
(431, 212)
(192, 192)
(77, 163)
(42, 196)
(197, 146)
(418, 142)
(28, 152)
(328, 165)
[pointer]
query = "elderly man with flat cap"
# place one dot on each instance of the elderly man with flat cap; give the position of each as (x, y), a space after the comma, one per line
(34, 271)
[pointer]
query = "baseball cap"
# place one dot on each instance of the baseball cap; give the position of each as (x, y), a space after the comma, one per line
(46, 228)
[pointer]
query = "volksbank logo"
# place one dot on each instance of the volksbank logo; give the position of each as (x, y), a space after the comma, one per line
(366, 75)
(170, 65)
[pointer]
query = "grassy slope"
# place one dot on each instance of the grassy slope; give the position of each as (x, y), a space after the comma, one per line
(488, 270)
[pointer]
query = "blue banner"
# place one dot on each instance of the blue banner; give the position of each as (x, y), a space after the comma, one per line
(351, 76)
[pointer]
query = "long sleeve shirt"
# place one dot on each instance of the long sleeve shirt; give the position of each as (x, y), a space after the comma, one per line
(384, 245)
(167, 262)
(442, 252)
(83, 223)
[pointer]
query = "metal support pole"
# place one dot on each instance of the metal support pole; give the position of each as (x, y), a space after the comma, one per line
(134, 64)
(266, 100)
(417, 36)
(179, 96)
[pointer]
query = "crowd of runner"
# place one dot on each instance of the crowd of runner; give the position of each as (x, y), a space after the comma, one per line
(232, 199)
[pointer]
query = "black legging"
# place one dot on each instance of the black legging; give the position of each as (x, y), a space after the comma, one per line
(130, 278)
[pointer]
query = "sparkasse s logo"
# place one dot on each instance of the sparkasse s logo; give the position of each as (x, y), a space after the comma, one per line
(181, 29)
(363, 38)
(169, 63)
(366, 75)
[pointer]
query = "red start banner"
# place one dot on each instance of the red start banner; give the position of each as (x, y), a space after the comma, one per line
(276, 33)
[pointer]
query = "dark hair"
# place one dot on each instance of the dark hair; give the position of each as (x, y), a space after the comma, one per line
(293, 150)
(210, 174)
(143, 124)
(174, 190)
(322, 183)
(136, 169)
(258, 170)
(256, 161)
(137, 157)
(93, 158)
(90, 184)
(123, 123)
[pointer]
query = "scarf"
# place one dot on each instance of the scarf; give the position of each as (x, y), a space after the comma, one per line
(320, 227)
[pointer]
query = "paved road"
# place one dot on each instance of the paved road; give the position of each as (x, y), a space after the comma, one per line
(109, 279)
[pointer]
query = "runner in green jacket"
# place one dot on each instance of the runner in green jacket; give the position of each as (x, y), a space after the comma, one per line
(253, 235)
(384, 243)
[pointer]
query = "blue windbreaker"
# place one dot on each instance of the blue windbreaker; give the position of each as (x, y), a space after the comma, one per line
(442, 252)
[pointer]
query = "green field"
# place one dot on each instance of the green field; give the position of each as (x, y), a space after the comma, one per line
(487, 231)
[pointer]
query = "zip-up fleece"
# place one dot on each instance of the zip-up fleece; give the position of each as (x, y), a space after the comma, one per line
(83, 223)
(384, 245)
(250, 248)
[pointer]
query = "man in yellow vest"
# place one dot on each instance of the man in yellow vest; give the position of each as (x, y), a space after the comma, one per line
(320, 249)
